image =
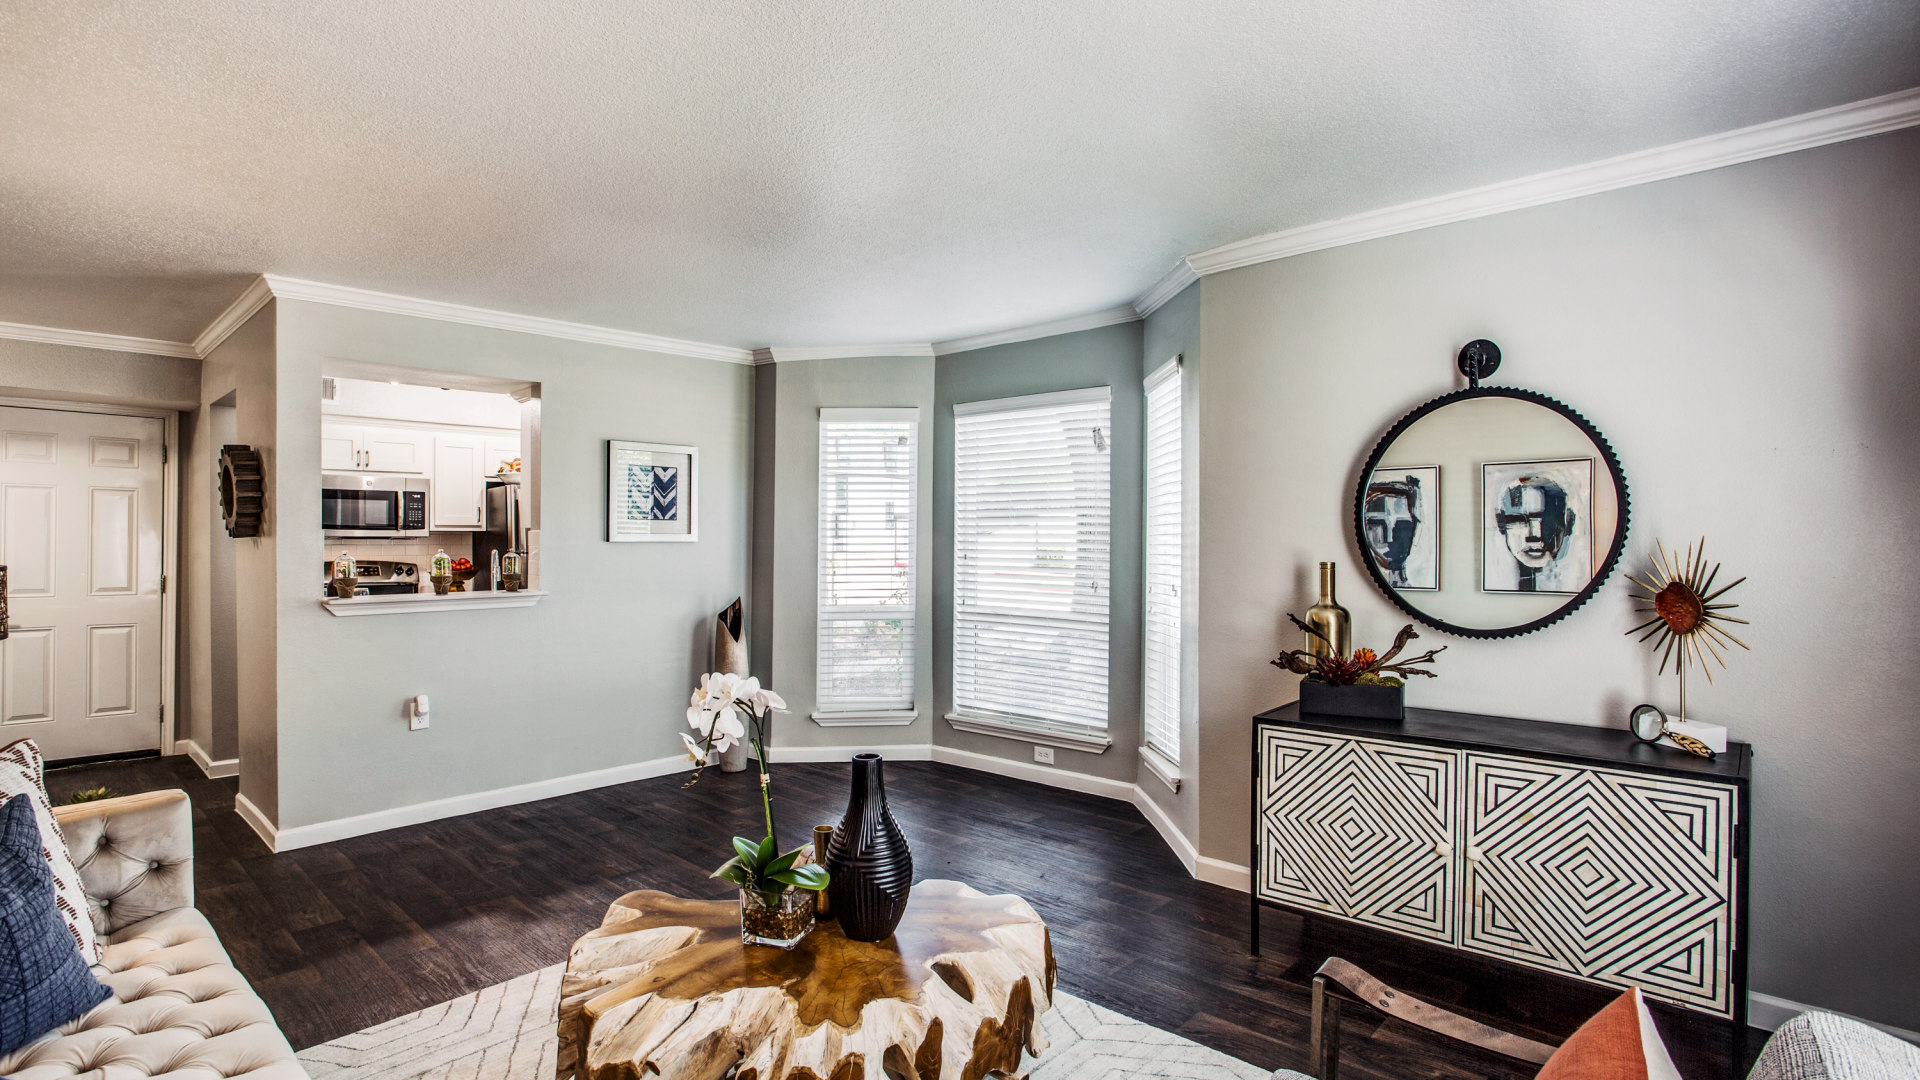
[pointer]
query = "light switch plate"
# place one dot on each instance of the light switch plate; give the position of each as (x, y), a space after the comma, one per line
(1043, 754)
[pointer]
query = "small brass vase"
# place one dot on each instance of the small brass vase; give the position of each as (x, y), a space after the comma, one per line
(1331, 620)
(441, 583)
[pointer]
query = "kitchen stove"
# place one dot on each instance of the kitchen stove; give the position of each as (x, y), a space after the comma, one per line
(377, 578)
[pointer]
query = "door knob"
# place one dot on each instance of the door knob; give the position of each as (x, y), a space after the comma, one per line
(1473, 853)
(1443, 849)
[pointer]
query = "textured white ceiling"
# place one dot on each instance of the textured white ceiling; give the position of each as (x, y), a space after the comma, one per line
(797, 173)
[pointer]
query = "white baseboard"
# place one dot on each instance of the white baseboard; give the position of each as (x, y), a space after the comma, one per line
(1221, 872)
(277, 839)
(1039, 774)
(1769, 1012)
(214, 769)
(324, 832)
(256, 820)
(897, 752)
(1157, 817)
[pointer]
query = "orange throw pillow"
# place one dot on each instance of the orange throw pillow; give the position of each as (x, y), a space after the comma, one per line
(1619, 1043)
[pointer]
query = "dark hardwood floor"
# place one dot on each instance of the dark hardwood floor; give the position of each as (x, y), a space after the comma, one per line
(346, 935)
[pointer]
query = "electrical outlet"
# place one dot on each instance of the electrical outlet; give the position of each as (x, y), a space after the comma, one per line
(417, 713)
(1043, 754)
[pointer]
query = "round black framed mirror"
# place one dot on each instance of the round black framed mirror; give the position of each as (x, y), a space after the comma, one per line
(1491, 512)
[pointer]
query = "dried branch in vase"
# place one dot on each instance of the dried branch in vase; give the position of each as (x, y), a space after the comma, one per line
(1363, 668)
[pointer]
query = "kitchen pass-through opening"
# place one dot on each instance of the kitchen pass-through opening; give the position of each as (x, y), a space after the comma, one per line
(417, 463)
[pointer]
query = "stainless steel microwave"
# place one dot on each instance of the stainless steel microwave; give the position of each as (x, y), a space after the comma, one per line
(373, 504)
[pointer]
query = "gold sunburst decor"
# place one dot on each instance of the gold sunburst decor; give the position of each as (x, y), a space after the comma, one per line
(1687, 625)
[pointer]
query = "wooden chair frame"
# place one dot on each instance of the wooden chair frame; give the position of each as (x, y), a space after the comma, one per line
(1323, 1037)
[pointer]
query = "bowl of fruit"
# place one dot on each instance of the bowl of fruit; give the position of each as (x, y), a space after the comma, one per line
(463, 571)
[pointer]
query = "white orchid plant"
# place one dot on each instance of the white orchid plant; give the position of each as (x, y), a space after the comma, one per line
(727, 710)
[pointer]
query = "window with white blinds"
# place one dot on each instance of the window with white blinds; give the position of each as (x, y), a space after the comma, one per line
(1032, 551)
(868, 479)
(1160, 634)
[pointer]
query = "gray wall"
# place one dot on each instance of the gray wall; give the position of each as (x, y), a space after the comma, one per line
(793, 484)
(34, 369)
(1174, 330)
(1749, 340)
(594, 677)
(759, 614)
(1108, 356)
(241, 371)
(216, 716)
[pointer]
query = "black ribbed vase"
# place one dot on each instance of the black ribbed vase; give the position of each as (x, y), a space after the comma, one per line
(868, 858)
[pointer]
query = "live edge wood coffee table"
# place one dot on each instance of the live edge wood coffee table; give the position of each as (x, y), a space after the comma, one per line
(665, 988)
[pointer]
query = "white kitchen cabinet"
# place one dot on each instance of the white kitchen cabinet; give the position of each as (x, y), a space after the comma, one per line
(339, 447)
(371, 448)
(459, 487)
(500, 449)
(396, 450)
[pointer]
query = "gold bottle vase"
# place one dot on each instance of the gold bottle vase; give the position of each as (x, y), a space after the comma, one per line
(1333, 623)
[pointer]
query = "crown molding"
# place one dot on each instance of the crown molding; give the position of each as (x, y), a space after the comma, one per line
(1113, 316)
(782, 354)
(1873, 116)
(317, 292)
(251, 299)
(1166, 288)
(53, 335)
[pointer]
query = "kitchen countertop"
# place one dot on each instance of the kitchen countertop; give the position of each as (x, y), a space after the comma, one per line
(416, 603)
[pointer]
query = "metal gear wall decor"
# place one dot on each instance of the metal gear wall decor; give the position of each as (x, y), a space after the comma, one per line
(243, 490)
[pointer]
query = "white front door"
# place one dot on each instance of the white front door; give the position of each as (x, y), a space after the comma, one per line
(80, 536)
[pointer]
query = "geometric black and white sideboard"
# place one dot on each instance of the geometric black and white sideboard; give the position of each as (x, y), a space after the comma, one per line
(1576, 850)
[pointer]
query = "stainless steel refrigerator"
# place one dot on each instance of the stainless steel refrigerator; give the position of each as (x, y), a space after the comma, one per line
(505, 531)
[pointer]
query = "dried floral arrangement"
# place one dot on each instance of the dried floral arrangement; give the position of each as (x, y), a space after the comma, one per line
(1363, 668)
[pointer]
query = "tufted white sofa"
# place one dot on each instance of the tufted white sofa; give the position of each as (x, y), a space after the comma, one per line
(179, 1009)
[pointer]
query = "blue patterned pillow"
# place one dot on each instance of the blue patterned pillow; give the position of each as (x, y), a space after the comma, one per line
(43, 981)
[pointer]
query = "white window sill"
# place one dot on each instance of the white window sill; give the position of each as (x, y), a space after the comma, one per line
(415, 603)
(867, 718)
(1029, 733)
(1161, 766)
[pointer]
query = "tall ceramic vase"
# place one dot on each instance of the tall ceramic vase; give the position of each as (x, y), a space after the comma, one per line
(869, 860)
(730, 656)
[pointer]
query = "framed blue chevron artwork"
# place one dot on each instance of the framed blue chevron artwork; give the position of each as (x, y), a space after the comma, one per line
(651, 492)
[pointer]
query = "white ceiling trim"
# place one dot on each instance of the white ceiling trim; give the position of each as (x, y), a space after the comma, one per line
(1166, 288)
(1125, 313)
(251, 299)
(782, 354)
(53, 335)
(366, 299)
(1874, 116)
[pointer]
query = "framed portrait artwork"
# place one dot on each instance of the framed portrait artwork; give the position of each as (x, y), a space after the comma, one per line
(1400, 516)
(652, 492)
(1537, 526)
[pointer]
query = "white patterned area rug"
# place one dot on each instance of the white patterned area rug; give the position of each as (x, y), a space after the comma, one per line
(506, 1032)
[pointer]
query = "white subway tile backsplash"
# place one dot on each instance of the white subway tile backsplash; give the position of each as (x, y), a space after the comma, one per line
(410, 549)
